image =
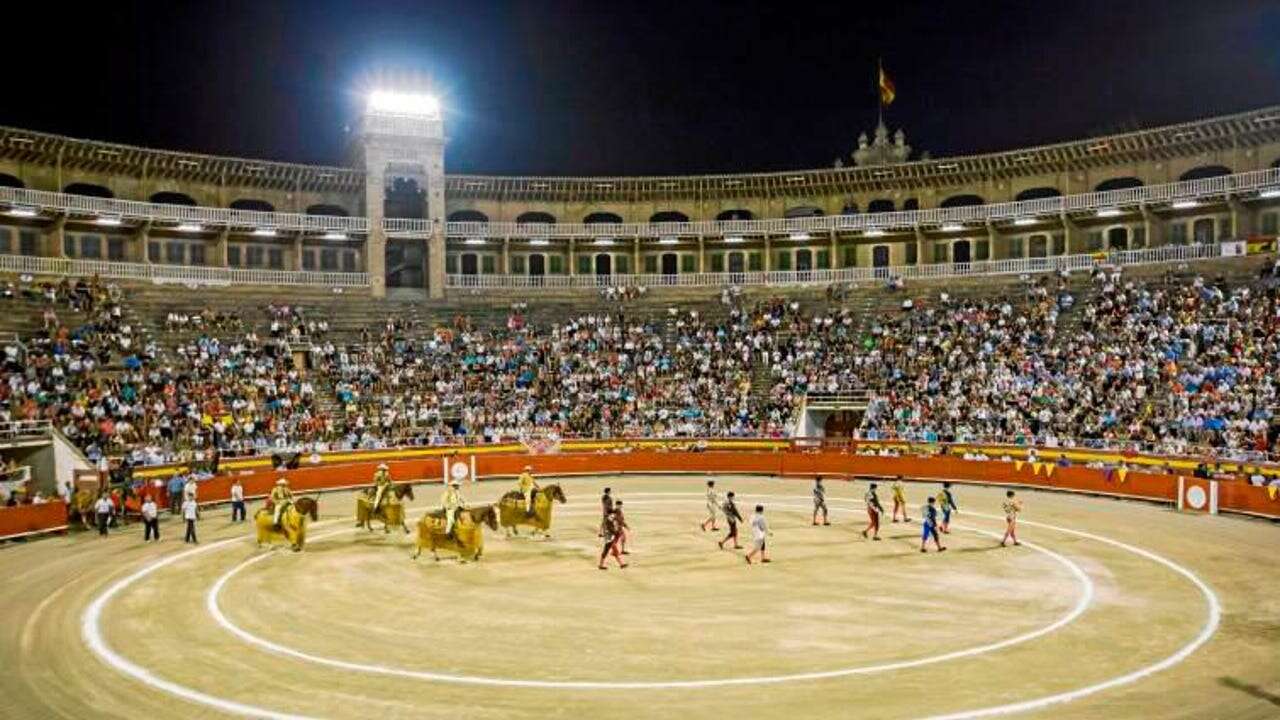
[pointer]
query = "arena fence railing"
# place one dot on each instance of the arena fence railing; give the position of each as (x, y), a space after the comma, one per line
(1019, 266)
(179, 274)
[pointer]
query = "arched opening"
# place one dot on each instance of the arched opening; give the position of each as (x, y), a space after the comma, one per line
(737, 263)
(10, 181)
(602, 218)
(534, 217)
(803, 211)
(1276, 163)
(252, 205)
(88, 190)
(911, 204)
(1202, 230)
(172, 198)
(537, 264)
(880, 205)
(470, 264)
(1039, 246)
(735, 214)
(1118, 238)
(405, 199)
(1117, 183)
(804, 259)
(1204, 172)
(327, 209)
(961, 252)
(468, 216)
(961, 201)
(604, 264)
(1037, 193)
(668, 216)
(880, 256)
(670, 262)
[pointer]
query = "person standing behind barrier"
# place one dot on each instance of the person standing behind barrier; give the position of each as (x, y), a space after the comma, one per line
(899, 500)
(929, 525)
(713, 508)
(819, 500)
(606, 507)
(175, 493)
(237, 501)
(759, 534)
(150, 520)
(874, 511)
(102, 511)
(1012, 507)
(733, 517)
(190, 511)
(947, 503)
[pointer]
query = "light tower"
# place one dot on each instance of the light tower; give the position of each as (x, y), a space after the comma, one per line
(401, 135)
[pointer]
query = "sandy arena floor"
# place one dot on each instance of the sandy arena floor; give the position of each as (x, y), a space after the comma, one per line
(1109, 610)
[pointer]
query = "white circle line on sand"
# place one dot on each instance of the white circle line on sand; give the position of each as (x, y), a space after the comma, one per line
(92, 635)
(91, 632)
(1083, 602)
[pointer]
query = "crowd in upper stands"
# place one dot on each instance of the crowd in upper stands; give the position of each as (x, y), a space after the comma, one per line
(1169, 364)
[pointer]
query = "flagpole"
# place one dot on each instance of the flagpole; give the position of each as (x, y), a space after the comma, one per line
(879, 96)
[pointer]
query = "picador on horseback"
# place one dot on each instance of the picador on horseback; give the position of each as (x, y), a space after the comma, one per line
(281, 500)
(451, 502)
(527, 487)
(381, 486)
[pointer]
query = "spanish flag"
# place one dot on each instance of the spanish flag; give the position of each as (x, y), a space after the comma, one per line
(887, 91)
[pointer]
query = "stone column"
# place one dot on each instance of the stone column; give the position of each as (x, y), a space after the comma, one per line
(506, 256)
(1242, 218)
(1152, 226)
(992, 238)
(1070, 234)
(55, 236)
(835, 254)
(297, 252)
(920, 256)
(702, 254)
(375, 247)
(435, 260)
(573, 256)
(220, 247)
(140, 241)
(635, 256)
(768, 254)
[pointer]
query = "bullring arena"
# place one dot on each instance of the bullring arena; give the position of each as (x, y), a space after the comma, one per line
(1109, 608)
(1079, 340)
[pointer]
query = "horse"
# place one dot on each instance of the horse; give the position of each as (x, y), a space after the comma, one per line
(81, 506)
(511, 509)
(391, 512)
(468, 533)
(293, 524)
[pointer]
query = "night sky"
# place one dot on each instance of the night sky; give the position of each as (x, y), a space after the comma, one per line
(643, 88)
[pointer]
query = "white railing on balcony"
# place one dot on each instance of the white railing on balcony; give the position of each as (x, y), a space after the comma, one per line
(208, 216)
(179, 273)
(977, 215)
(1019, 266)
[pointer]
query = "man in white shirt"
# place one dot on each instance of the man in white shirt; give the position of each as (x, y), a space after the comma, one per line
(190, 511)
(150, 520)
(759, 532)
(103, 509)
(237, 501)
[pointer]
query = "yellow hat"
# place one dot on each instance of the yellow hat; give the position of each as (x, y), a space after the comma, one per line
(282, 481)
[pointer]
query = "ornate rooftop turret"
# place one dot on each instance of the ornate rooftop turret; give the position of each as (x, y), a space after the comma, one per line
(882, 151)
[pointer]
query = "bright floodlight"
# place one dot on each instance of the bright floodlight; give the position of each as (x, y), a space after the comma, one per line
(396, 103)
